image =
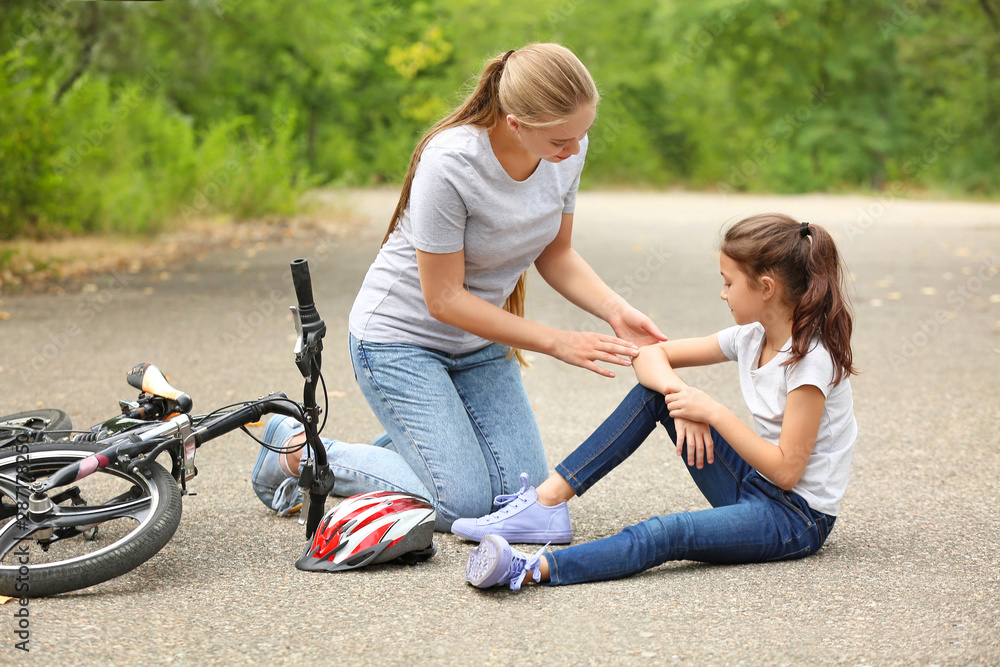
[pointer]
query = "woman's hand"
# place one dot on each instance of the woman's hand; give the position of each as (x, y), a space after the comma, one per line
(636, 327)
(698, 437)
(584, 348)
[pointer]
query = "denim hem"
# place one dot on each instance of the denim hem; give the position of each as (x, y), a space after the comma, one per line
(553, 570)
(570, 479)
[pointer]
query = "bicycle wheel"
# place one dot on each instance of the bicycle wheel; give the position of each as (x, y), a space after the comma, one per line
(135, 514)
(53, 423)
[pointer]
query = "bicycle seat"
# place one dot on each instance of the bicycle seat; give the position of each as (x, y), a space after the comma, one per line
(148, 378)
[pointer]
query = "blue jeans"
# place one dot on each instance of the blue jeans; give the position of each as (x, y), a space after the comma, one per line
(751, 520)
(460, 428)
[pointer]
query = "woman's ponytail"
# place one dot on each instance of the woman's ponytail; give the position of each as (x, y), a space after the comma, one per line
(481, 108)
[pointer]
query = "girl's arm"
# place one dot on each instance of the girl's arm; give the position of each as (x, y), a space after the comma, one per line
(570, 275)
(654, 368)
(782, 464)
(442, 281)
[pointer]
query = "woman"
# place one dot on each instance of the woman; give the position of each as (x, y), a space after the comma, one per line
(434, 331)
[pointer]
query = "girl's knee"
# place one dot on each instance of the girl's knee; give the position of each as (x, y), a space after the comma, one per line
(653, 402)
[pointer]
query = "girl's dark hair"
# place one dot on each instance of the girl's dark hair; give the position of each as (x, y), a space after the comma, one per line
(804, 258)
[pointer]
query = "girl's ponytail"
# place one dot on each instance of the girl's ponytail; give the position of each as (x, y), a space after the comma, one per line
(805, 259)
(823, 311)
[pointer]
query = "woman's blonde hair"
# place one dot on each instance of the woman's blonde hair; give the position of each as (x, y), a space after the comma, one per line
(540, 84)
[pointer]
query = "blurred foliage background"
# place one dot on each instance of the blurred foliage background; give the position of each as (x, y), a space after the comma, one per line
(126, 116)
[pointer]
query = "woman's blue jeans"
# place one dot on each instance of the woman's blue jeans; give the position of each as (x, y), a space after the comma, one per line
(460, 428)
(751, 520)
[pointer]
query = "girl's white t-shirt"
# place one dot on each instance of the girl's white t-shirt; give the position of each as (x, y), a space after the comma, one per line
(765, 390)
(462, 199)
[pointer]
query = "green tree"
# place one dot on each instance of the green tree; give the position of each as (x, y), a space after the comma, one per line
(125, 116)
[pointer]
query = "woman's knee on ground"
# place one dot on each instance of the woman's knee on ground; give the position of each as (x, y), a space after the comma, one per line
(461, 501)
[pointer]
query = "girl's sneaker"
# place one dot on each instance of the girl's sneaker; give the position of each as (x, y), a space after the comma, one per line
(494, 563)
(521, 520)
(275, 487)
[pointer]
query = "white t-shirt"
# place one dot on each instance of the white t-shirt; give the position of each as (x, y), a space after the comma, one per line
(765, 390)
(462, 199)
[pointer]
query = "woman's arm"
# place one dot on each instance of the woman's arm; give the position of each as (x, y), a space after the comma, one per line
(568, 273)
(442, 281)
(782, 464)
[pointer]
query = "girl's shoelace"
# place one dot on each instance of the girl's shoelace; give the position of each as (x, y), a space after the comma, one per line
(527, 563)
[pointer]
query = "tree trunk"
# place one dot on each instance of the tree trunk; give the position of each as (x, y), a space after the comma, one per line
(90, 35)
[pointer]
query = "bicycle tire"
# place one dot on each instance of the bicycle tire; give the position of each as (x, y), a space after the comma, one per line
(54, 423)
(123, 549)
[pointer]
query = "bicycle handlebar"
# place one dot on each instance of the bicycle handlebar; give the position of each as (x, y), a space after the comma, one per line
(317, 479)
(302, 283)
(277, 403)
(313, 327)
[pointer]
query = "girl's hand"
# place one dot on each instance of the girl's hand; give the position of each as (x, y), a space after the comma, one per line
(690, 404)
(584, 348)
(698, 437)
(636, 327)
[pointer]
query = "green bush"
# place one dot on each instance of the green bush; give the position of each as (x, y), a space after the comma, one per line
(126, 118)
(31, 194)
(125, 161)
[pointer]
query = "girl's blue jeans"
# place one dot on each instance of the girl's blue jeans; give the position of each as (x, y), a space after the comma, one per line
(751, 520)
(460, 428)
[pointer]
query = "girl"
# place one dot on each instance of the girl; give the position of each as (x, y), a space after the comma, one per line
(490, 190)
(775, 491)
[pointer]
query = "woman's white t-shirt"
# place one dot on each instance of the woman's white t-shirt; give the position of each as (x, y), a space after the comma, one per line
(462, 199)
(765, 390)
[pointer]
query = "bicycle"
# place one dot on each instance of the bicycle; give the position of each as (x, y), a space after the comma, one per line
(81, 508)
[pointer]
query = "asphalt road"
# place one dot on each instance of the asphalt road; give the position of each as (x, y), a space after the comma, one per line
(910, 575)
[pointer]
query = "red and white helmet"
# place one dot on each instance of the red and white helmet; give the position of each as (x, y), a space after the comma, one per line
(371, 528)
